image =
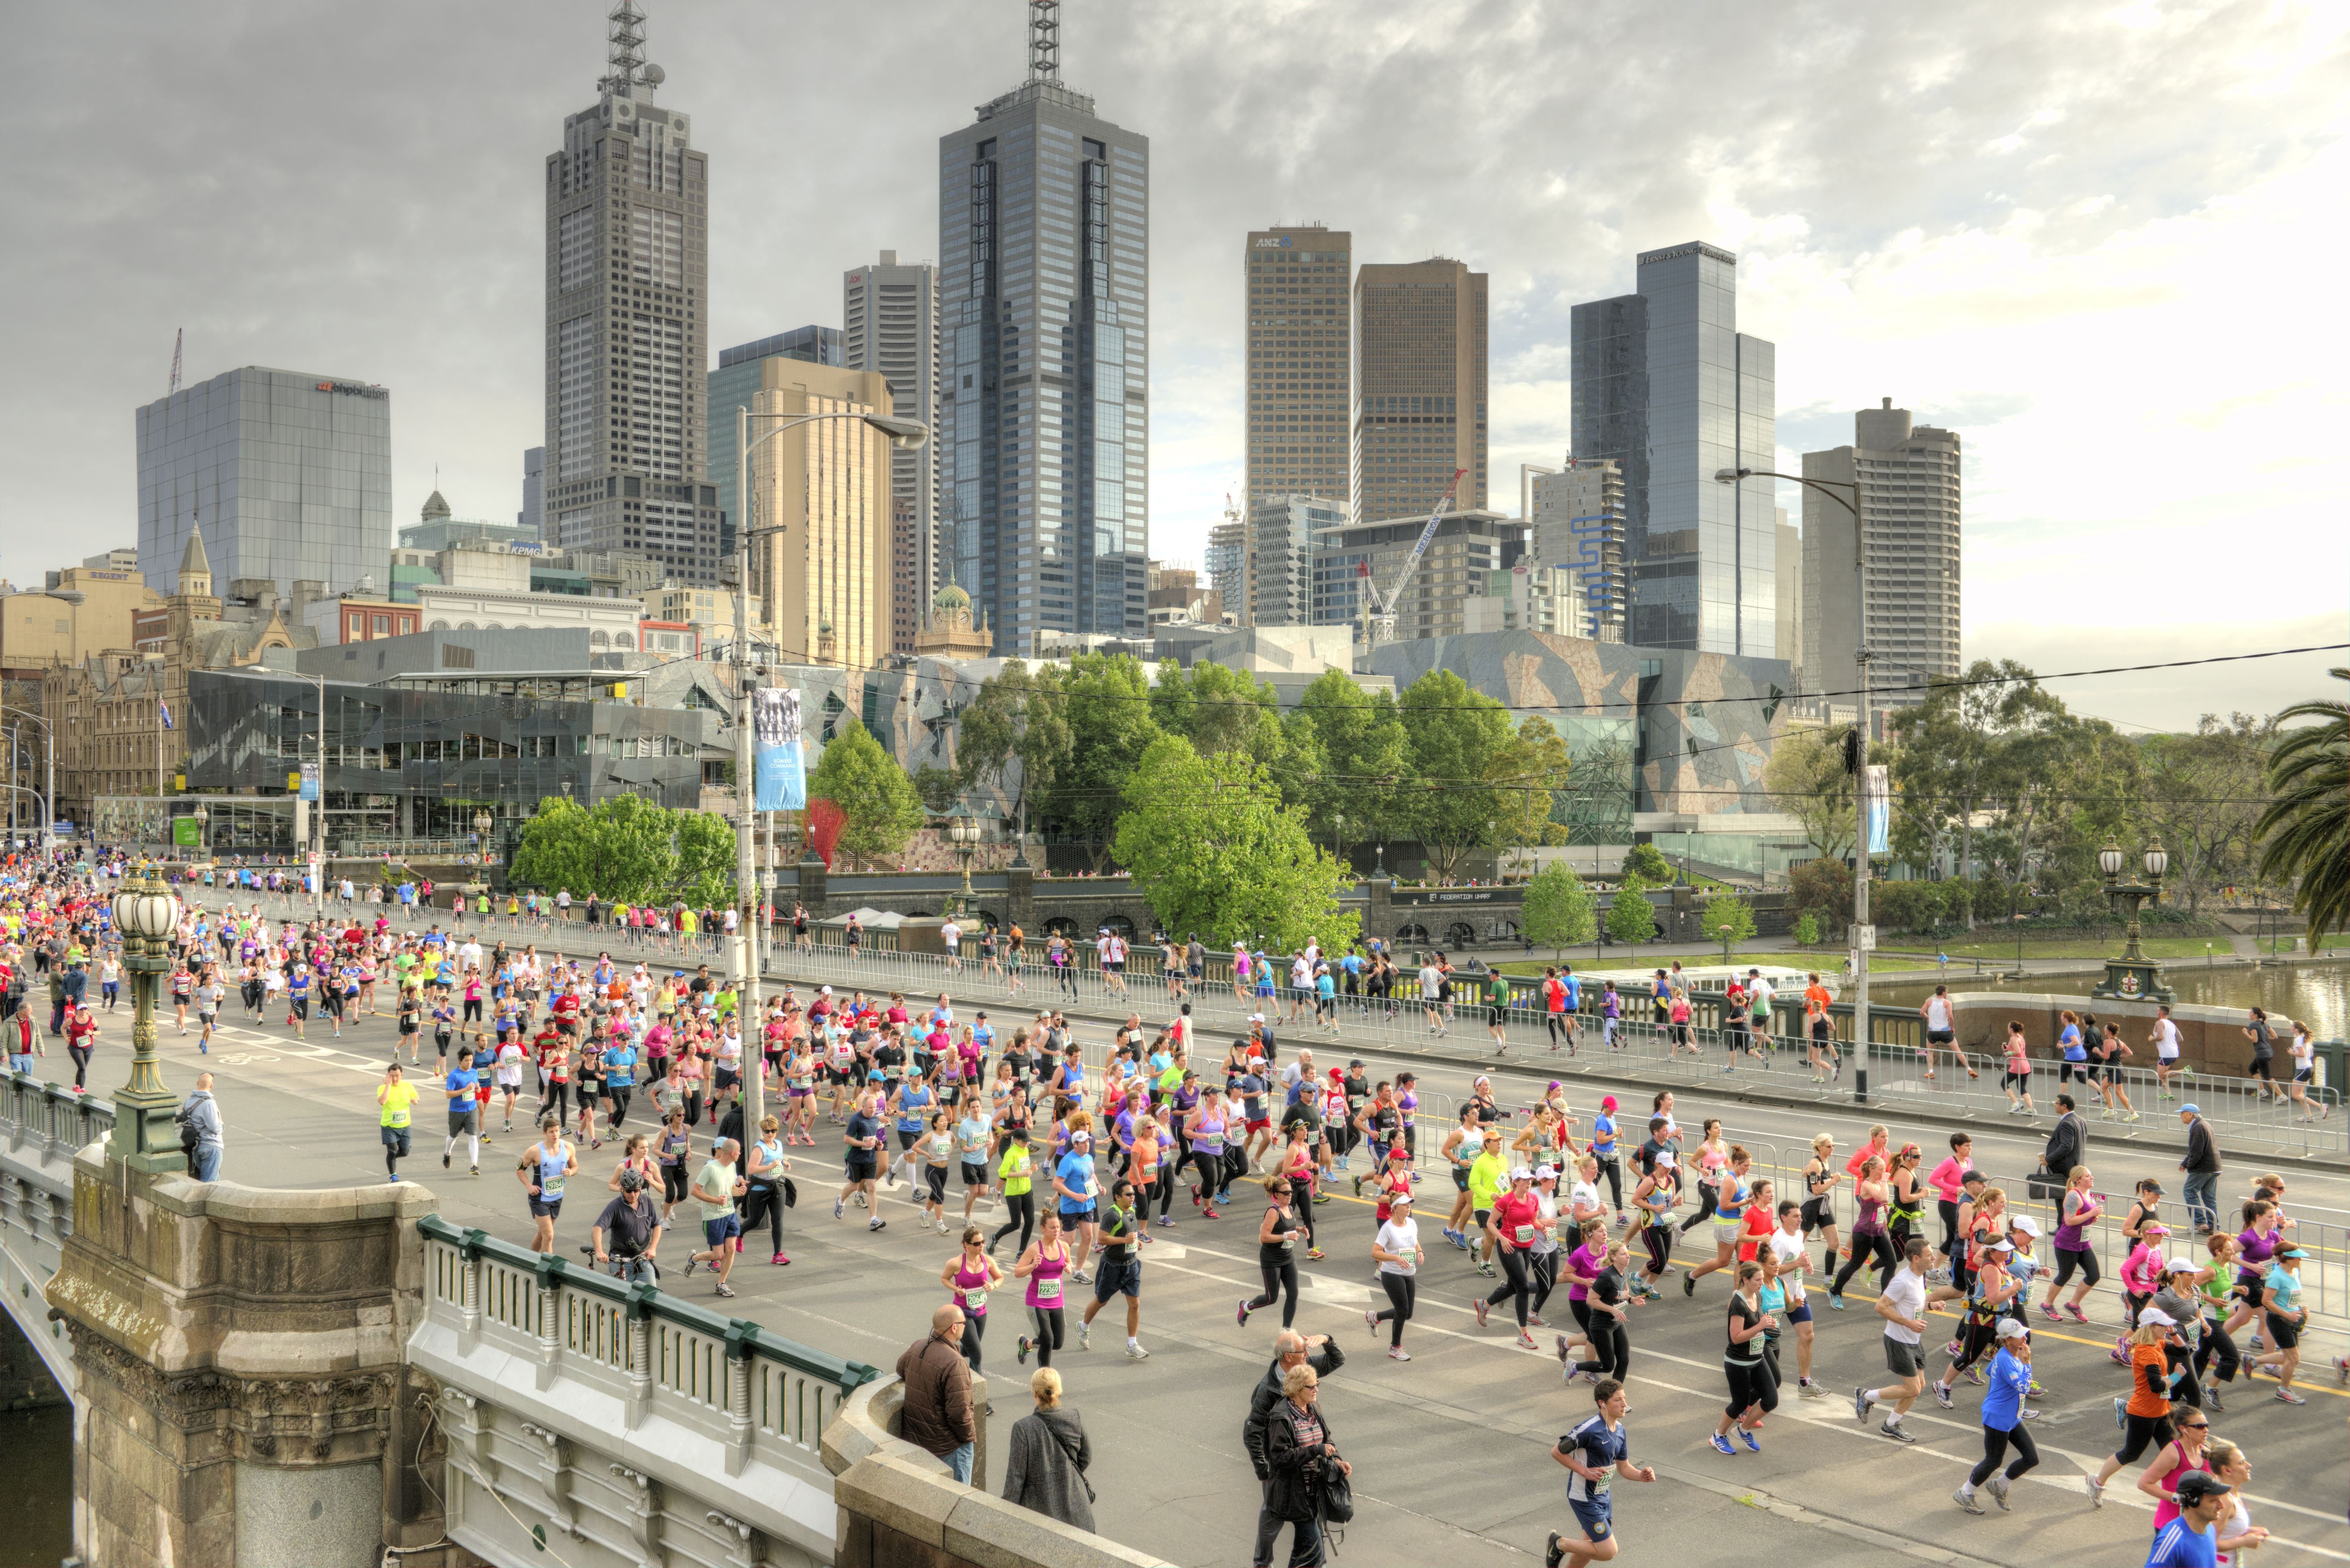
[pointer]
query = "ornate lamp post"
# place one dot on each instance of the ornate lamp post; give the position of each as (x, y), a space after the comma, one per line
(962, 832)
(146, 913)
(202, 817)
(2133, 977)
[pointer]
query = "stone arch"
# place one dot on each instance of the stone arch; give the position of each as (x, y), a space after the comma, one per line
(467, 625)
(438, 625)
(624, 642)
(599, 639)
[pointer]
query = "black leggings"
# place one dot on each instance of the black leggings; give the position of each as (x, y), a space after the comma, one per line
(2190, 1388)
(1545, 1279)
(1879, 1246)
(1658, 1239)
(1949, 1213)
(1163, 1185)
(618, 1094)
(80, 1055)
(2216, 1345)
(1516, 1285)
(1019, 1214)
(2137, 1431)
(1211, 1172)
(1281, 1283)
(1752, 1387)
(1707, 1198)
(559, 1099)
(1995, 1442)
(974, 1329)
(1048, 1333)
(1402, 1294)
(1614, 1172)
(763, 1201)
(1611, 1349)
(2069, 1259)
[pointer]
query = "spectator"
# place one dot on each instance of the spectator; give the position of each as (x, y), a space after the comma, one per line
(937, 1413)
(1046, 1470)
(2068, 1148)
(1290, 1350)
(200, 1114)
(2203, 1167)
(1298, 1450)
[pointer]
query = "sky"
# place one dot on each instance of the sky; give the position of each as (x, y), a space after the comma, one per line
(2090, 237)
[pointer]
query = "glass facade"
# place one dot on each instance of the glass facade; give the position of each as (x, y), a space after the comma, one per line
(1043, 236)
(288, 473)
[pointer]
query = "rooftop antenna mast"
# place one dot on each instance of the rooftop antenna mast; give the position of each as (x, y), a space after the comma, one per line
(1044, 41)
(627, 63)
(179, 340)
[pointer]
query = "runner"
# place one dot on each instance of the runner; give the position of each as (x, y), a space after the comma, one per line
(1732, 1194)
(1595, 1453)
(973, 1275)
(1043, 1265)
(1119, 1271)
(1903, 1307)
(1277, 1235)
(2146, 1411)
(394, 1097)
(1872, 1195)
(766, 1186)
(1753, 1393)
(2285, 1317)
(464, 1114)
(1793, 1261)
(715, 1188)
(861, 1143)
(2003, 1420)
(542, 1171)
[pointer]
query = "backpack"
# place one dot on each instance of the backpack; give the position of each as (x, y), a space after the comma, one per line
(186, 1123)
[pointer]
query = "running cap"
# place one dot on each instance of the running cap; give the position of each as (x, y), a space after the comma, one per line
(2154, 1230)
(2157, 1317)
(2199, 1486)
(1400, 1201)
(2292, 1251)
(1522, 1174)
(2179, 1265)
(1665, 1159)
(1972, 1176)
(2025, 1223)
(1608, 1104)
(2011, 1329)
(1545, 1173)
(826, 991)
(2002, 1245)
(2191, 1109)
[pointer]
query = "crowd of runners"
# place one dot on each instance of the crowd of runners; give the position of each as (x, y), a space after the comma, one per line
(1054, 1179)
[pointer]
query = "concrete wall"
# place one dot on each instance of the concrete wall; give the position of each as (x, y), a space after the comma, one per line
(2210, 1039)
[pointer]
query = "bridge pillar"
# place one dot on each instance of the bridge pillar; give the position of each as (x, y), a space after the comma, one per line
(238, 1354)
(1020, 901)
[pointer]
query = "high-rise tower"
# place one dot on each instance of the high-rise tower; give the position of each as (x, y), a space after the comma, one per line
(889, 323)
(1419, 400)
(628, 323)
(1299, 364)
(1044, 297)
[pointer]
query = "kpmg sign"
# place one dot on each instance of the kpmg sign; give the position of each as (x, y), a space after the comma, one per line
(353, 389)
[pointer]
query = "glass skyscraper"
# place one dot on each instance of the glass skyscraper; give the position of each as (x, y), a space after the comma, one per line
(288, 472)
(1666, 385)
(1044, 243)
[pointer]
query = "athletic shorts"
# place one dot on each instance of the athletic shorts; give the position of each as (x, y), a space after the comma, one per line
(1902, 1360)
(1593, 1517)
(935, 1178)
(461, 1122)
(1264, 1124)
(2283, 1333)
(1078, 1215)
(1117, 1279)
(1480, 1216)
(719, 1231)
(974, 1175)
(1940, 1037)
(2304, 1075)
(1817, 1215)
(1800, 1313)
(300, 1008)
(395, 1139)
(408, 1026)
(859, 1166)
(545, 1208)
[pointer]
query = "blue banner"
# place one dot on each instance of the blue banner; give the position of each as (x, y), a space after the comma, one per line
(779, 768)
(1876, 808)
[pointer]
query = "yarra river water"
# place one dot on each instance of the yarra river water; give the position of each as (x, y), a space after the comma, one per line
(2318, 994)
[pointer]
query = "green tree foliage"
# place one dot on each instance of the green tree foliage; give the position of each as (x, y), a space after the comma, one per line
(2306, 832)
(1461, 745)
(1218, 709)
(1105, 701)
(879, 808)
(1807, 928)
(1959, 751)
(1821, 889)
(628, 850)
(1630, 920)
(1207, 841)
(1527, 777)
(1560, 911)
(2202, 796)
(1806, 780)
(1729, 920)
(1646, 862)
(1347, 755)
(940, 789)
(1018, 718)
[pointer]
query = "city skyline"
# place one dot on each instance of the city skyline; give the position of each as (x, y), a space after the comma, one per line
(2018, 278)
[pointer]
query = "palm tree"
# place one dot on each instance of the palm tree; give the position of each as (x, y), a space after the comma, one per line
(2306, 827)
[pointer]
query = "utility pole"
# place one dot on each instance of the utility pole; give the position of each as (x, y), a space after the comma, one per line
(754, 1075)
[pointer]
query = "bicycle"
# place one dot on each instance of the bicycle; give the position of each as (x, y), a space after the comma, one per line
(629, 1268)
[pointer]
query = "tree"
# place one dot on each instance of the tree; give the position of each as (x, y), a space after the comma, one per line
(1105, 701)
(629, 850)
(1646, 862)
(1560, 911)
(1458, 740)
(1730, 919)
(2305, 831)
(1526, 778)
(1821, 889)
(1017, 717)
(2201, 799)
(1806, 780)
(1630, 920)
(1208, 843)
(879, 806)
(704, 846)
(1954, 747)
(1346, 755)
(1218, 709)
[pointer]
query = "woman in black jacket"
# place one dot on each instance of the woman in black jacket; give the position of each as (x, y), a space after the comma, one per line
(1297, 1446)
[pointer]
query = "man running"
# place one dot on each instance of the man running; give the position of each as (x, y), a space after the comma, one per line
(715, 1188)
(1903, 1308)
(394, 1097)
(1118, 1272)
(1595, 1452)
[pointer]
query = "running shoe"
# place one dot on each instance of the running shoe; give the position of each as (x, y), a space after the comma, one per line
(1371, 1322)
(1747, 1437)
(2048, 1311)
(2211, 1398)
(2073, 1309)
(1162, 1219)
(1078, 1276)
(1024, 1350)
(1999, 1487)
(1898, 1432)
(1688, 1284)
(1860, 1404)
(1397, 1353)
(1084, 1336)
(1951, 1349)
(691, 1260)
(778, 1259)
(1553, 1550)
(1243, 1317)
(2287, 1396)
(1478, 1304)
(1974, 1377)
(1526, 1341)
(1810, 1391)
(1941, 1395)
(878, 1224)
(1835, 1302)
(444, 1162)
(2096, 1491)
(1135, 1352)
(839, 1209)
(1536, 1319)
(1965, 1498)
(725, 1289)
(1721, 1445)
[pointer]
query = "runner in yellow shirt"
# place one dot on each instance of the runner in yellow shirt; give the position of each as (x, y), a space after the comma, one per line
(395, 1096)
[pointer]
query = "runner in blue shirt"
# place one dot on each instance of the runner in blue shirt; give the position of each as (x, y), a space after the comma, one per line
(1074, 1180)
(1595, 1454)
(620, 1076)
(464, 1107)
(2192, 1539)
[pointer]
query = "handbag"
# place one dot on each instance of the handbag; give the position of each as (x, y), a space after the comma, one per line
(1337, 1495)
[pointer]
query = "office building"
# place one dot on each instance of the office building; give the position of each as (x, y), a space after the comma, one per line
(1469, 546)
(289, 473)
(1787, 575)
(1283, 531)
(436, 528)
(1908, 474)
(1044, 246)
(532, 518)
(84, 610)
(820, 589)
(1227, 564)
(627, 323)
(1420, 401)
(889, 323)
(1300, 360)
(730, 387)
(1577, 517)
(1666, 386)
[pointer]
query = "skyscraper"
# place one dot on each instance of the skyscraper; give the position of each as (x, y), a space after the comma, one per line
(728, 388)
(1300, 356)
(1909, 500)
(532, 518)
(1043, 245)
(288, 472)
(1666, 385)
(889, 323)
(1577, 516)
(1419, 405)
(1283, 544)
(627, 323)
(820, 589)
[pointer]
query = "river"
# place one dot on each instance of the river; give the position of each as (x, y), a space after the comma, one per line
(37, 1509)
(2317, 994)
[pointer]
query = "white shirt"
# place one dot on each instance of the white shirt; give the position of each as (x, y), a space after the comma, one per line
(1907, 1295)
(2166, 1039)
(1761, 994)
(1938, 1012)
(1404, 1241)
(1787, 1246)
(952, 934)
(1585, 1197)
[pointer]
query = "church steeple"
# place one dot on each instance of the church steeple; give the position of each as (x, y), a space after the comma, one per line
(195, 568)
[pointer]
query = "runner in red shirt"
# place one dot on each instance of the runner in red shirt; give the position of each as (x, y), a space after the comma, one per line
(1516, 1219)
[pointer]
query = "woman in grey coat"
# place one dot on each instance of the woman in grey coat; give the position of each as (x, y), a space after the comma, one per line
(1046, 1472)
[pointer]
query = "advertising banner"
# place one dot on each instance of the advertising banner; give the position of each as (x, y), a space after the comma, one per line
(779, 764)
(1875, 808)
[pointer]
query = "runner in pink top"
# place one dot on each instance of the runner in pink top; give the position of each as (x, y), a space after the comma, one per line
(1948, 1182)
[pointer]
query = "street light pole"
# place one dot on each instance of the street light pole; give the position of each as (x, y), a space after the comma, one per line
(742, 956)
(1861, 931)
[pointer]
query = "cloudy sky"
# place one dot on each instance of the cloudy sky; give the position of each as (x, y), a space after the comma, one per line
(2092, 237)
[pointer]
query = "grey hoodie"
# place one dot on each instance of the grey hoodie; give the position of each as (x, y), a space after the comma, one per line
(205, 1113)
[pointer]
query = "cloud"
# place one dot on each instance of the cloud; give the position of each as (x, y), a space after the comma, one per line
(2092, 239)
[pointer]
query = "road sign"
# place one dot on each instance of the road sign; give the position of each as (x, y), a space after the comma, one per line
(1863, 939)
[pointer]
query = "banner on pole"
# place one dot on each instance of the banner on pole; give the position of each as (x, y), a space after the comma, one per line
(309, 780)
(1877, 807)
(779, 765)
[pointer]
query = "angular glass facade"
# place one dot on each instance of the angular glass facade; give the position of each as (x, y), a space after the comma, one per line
(289, 474)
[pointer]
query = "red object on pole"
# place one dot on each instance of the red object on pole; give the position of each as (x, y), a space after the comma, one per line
(825, 819)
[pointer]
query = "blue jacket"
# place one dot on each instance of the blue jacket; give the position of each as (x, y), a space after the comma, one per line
(2002, 1404)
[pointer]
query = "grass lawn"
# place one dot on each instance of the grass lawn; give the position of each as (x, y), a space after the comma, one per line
(1994, 948)
(2335, 942)
(1825, 960)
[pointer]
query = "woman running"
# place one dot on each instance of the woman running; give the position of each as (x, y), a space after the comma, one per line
(1399, 1256)
(2303, 1054)
(1905, 1216)
(1277, 1235)
(2105, 1054)
(1821, 1178)
(1872, 1193)
(2237, 1533)
(1731, 1195)
(1298, 1164)
(2146, 1412)
(1654, 1200)
(1794, 1261)
(2215, 1287)
(1751, 1395)
(764, 1166)
(1517, 1221)
(1015, 1175)
(1712, 1161)
(2285, 1318)
(2078, 1209)
(2015, 1078)
(973, 1275)
(2003, 1420)
(1608, 1295)
(932, 1150)
(1043, 1265)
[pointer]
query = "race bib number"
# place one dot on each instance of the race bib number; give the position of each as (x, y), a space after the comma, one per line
(1525, 1235)
(551, 1186)
(976, 1299)
(1048, 1290)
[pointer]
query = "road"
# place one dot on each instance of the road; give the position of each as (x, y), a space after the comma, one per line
(1450, 1449)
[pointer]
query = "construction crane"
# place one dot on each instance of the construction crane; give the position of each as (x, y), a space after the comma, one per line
(1378, 610)
(178, 338)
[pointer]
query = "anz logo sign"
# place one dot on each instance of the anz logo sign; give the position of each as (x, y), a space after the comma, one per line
(1278, 243)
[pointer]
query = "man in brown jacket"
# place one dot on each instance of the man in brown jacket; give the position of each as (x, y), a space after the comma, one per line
(937, 1413)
